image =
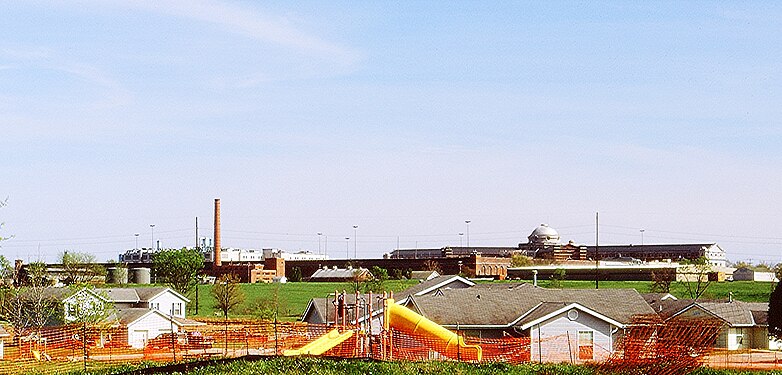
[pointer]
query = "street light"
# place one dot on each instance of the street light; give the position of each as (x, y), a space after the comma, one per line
(468, 231)
(136, 240)
(153, 236)
(461, 236)
(642, 236)
(347, 247)
(355, 242)
(319, 234)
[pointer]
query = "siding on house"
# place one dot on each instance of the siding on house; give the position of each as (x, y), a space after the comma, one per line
(148, 327)
(556, 340)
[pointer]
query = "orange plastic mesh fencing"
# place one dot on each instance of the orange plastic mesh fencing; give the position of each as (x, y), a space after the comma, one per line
(651, 346)
(648, 346)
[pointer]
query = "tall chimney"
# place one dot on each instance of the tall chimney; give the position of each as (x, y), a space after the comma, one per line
(217, 260)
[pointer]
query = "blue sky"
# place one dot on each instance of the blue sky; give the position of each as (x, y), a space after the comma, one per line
(403, 118)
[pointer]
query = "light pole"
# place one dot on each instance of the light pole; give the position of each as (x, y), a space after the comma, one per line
(136, 240)
(153, 236)
(355, 242)
(642, 236)
(347, 247)
(468, 231)
(461, 237)
(319, 234)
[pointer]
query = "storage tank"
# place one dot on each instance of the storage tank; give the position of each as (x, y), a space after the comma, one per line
(140, 275)
(117, 275)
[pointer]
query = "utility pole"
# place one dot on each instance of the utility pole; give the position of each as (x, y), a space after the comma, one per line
(597, 250)
(198, 250)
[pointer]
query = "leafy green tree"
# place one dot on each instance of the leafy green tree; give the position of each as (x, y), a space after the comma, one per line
(519, 260)
(178, 269)
(80, 268)
(557, 277)
(775, 313)
(295, 275)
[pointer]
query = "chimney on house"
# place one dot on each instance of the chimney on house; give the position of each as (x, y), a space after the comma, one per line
(217, 261)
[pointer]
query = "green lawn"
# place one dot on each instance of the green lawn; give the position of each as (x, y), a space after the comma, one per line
(294, 297)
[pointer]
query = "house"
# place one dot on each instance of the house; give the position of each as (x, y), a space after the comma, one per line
(432, 286)
(562, 325)
(145, 312)
(748, 274)
(335, 274)
(745, 324)
(423, 275)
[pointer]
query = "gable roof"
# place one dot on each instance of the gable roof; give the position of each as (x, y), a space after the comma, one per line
(494, 305)
(339, 273)
(428, 286)
(423, 275)
(120, 295)
(148, 294)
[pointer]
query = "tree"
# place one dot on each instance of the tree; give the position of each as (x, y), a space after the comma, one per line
(29, 308)
(432, 265)
(557, 277)
(660, 283)
(227, 293)
(80, 267)
(179, 269)
(519, 260)
(778, 271)
(695, 274)
(8, 273)
(775, 313)
(295, 275)
(269, 306)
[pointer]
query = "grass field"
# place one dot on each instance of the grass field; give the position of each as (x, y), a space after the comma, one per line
(294, 297)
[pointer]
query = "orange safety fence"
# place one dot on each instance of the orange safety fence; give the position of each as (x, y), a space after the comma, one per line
(647, 346)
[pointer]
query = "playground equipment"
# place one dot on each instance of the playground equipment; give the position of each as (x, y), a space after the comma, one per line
(321, 344)
(433, 337)
(445, 342)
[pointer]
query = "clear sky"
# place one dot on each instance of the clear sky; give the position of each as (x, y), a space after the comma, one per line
(404, 118)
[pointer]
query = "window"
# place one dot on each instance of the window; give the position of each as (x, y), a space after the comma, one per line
(177, 308)
(586, 344)
(154, 306)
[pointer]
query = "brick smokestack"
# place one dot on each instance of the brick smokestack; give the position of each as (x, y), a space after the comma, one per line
(218, 262)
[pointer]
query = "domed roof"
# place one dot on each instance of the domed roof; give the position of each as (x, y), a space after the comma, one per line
(544, 234)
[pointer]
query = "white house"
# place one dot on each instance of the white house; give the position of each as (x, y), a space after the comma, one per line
(563, 325)
(146, 312)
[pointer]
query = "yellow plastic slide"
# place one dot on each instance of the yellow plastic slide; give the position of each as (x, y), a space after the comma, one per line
(445, 341)
(321, 344)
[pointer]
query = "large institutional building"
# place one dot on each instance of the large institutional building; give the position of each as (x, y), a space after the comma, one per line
(544, 243)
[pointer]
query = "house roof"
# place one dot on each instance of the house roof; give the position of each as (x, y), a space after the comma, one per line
(338, 273)
(126, 295)
(510, 304)
(147, 294)
(128, 316)
(423, 275)
(428, 286)
(738, 313)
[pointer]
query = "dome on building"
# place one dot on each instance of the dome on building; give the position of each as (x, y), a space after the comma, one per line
(544, 234)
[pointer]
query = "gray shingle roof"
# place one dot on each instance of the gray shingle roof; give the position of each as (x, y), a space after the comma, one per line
(502, 304)
(119, 294)
(736, 312)
(145, 294)
(448, 281)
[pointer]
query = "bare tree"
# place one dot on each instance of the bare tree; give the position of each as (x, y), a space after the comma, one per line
(227, 293)
(695, 275)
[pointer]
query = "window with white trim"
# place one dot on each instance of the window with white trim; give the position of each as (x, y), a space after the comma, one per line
(586, 345)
